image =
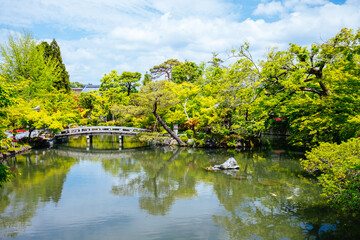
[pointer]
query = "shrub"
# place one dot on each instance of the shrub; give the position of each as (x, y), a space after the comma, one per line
(201, 136)
(109, 123)
(337, 168)
(199, 143)
(184, 138)
(189, 133)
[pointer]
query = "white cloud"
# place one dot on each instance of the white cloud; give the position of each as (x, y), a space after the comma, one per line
(136, 35)
(269, 9)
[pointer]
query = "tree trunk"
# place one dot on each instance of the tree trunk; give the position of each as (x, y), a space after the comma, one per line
(30, 131)
(184, 106)
(166, 127)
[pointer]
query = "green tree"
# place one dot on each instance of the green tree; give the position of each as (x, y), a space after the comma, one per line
(338, 169)
(113, 88)
(97, 106)
(76, 85)
(164, 69)
(52, 53)
(186, 72)
(153, 98)
(147, 79)
(111, 82)
(129, 81)
(308, 88)
(24, 67)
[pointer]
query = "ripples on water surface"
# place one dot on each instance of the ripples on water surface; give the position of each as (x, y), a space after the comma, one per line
(162, 193)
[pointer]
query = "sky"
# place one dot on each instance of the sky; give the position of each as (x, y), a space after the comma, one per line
(96, 37)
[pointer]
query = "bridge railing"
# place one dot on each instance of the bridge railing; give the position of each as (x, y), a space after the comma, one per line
(100, 129)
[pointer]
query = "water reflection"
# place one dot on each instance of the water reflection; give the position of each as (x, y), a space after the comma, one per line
(40, 178)
(268, 198)
(102, 142)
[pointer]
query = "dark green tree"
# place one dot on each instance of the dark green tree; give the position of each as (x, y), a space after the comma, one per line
(129, 81)
(52, 51)
(147, 78)
(186, 72)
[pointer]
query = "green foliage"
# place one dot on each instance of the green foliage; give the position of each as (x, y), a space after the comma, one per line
(201, 136)
(97, 106)
(129, 81)
(5, 174)
(189, 133)
(338, 170)
(154, 137)
(186, 72)
(199, 143)
(5, 99)
(25, 68)
(164, 69)
(147, 79)
(5, 143)
(308, 88)
(110, 123)
(52, 53)
(33, 75)
(184, 138)
(76, 85)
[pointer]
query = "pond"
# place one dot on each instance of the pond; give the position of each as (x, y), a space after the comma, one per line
(73, 192)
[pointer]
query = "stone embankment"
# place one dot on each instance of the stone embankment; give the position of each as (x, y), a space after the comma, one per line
(13, 153)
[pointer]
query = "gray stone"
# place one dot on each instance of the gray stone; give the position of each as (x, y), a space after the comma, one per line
(167, 141)
(228, 164)
(190, 141)
(173, 142)
(238, 145)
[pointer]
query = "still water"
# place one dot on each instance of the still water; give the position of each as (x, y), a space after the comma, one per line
(71, 192)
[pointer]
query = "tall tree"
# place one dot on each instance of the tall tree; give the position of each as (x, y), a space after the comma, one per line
(52, 51)
(129, 81)
(308, 88)
(147, 79)
(155, 97)
(164, 69)
(186, 72)
(24, 67)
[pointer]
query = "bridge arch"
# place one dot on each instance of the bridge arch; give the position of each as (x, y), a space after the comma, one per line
(99, 130)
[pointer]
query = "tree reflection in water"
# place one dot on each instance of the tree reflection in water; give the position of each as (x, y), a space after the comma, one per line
(268, 198)
(40, 179)
(160, 183)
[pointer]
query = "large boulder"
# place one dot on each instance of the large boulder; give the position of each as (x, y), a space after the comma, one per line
(228, 164)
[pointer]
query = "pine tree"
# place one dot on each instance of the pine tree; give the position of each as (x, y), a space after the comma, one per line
(52, 51)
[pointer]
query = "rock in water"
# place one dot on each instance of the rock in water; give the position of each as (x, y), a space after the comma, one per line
(228, 164)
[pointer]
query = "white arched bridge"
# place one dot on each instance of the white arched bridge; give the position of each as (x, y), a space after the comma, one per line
(99, 130)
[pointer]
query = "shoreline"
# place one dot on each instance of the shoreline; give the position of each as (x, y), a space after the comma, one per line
(14, 153)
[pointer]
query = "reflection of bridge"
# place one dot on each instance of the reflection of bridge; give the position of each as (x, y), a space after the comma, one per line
(92, 154)
(99, 130)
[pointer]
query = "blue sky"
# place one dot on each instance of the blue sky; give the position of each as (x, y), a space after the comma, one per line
(96, 37)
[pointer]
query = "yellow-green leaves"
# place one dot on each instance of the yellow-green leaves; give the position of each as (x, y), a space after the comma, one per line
(338, 170)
